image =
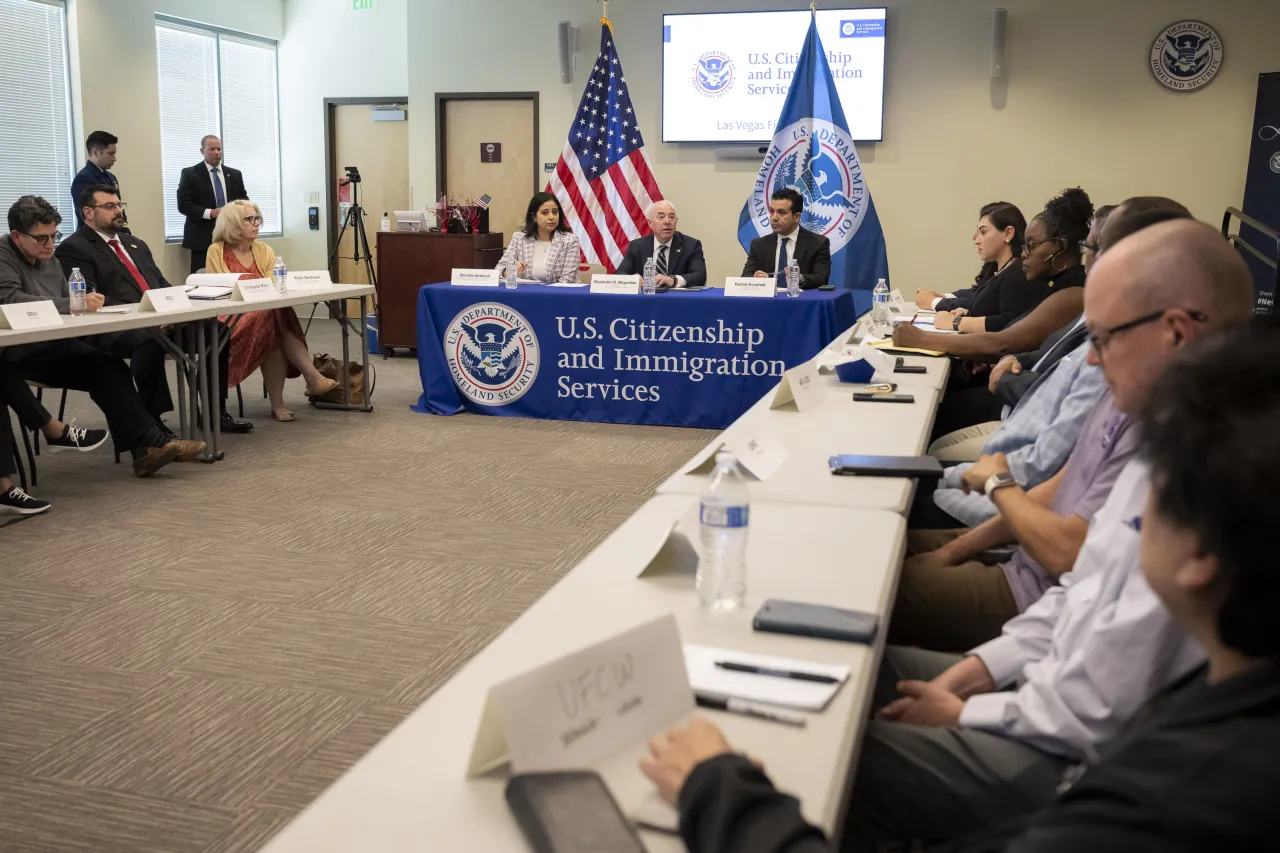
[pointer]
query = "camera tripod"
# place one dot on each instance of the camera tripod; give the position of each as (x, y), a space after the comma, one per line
(361, 248)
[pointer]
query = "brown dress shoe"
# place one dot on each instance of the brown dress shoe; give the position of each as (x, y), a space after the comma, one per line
(148, 460)
(188, 450)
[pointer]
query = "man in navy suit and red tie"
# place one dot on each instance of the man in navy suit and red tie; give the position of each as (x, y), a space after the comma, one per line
(203, 190)
(677, 257)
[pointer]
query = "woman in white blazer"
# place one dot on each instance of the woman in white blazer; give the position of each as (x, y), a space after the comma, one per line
(545, 250)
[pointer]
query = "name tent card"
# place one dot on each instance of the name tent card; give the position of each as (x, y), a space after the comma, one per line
(585, 706)
(743, 286)
(623, 284)
(896, 303)
(474, 278)
(759, 454)
(799, 385)
(164, 300)
(309, 280)
(254, 290)
(29, 315)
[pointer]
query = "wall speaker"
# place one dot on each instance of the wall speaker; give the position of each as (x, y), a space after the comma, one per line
(999, 23)
(568, 47)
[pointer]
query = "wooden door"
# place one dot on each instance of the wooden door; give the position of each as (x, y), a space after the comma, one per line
(470, 124)
(380, 150)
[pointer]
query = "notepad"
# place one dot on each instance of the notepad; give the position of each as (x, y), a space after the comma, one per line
(888, 346)
(117, 309)
(209, 291)
(706, 677)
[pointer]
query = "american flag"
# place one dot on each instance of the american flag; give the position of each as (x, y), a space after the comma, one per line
(603, 180)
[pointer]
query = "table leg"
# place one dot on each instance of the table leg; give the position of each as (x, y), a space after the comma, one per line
(215, 388)
(367, 405)
(202, 394)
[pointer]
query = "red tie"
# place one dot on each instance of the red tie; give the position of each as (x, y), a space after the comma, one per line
(114, 243)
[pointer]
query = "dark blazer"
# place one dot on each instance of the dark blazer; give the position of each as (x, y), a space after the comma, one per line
(195, 196)
(813, 252)
(684, 258)
(85, 178)
(103, 270)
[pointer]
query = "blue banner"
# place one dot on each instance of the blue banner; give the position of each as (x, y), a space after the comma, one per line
(813, 153)
(680, 359)
(1262, 187)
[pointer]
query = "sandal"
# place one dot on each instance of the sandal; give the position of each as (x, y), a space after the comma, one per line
(321, 390)
(284, 417)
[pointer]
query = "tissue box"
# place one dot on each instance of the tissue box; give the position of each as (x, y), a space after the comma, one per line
(853, 371)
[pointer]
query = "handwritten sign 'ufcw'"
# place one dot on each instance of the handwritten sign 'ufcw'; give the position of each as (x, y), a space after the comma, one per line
(583, 707)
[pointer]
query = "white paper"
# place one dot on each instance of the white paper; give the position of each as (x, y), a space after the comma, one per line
(117, 309)
(475, 278)
(164, 300)
(213, 279)
(897, 303)
(308, 280)
(615, 284)
(706, 677)
(207, 292)
(29, 315)
(750, 286)
(570, 284)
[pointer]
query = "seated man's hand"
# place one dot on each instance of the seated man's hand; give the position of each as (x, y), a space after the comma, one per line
(1008, 364)
(975, 479)
(924, 703)
(968, 677)
(907, 335)
(761, 274)
(924, 298)
(664, 279)
(673, 756)
(94, 301)
(942, 320)
(938, 559)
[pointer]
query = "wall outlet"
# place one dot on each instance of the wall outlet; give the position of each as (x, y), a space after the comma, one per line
(313, 196)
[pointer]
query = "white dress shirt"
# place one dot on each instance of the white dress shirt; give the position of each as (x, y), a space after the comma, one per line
(791, 248)
(222, 176)
(109, 237)
(1081, 661)
(671, 259)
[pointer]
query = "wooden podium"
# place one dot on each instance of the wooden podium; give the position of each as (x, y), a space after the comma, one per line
(409, 259)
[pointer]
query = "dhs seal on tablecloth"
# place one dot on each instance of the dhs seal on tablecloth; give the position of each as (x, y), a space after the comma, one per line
(1186, 56)
(713, 74)
(492, 353)
(817, 160)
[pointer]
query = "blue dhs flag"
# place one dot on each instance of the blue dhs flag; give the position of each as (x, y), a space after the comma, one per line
(813, 154)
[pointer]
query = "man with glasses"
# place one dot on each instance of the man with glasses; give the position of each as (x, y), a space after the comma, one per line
(677, 257)
(203, 190)
(29, 273)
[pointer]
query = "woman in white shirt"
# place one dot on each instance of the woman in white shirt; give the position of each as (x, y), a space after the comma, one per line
(545, 250)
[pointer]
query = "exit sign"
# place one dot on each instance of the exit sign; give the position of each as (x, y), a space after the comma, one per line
(364, 5)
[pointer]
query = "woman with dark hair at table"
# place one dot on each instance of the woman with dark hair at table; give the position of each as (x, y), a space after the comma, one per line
(545, 249)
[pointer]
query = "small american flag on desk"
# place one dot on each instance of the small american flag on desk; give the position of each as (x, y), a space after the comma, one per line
(603, 180)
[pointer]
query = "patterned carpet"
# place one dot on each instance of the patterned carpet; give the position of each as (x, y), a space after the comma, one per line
(187, 661)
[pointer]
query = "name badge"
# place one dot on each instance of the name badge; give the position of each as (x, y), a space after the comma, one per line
(29, 315)
(627, 284)
(474, 278)
(574, 711)
(799, 385)
(744, 286)
(309, 280)
(254, 290)
(164, 300)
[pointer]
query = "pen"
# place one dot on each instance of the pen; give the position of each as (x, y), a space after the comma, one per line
(916, 317)
(776, 673)
(734, 706)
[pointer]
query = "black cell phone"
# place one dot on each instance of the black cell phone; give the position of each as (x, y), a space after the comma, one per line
(873, 397)
(910, 368)
(570, 812)
(885, 466)
(826, 287)
(777, 616)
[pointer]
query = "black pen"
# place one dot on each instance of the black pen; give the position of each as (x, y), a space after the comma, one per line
(776, 673)
(735, 706)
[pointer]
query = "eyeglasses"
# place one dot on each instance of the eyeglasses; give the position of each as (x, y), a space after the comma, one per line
(1101, 339)
(112, 206)
(1028, 247)
(253, 220)
(44, 239)
(1086, 246)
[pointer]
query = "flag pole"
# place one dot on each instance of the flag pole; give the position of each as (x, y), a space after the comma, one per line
(604, 15)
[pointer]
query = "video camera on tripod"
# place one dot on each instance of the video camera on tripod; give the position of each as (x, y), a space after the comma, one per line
(353, 176)
(361, 248)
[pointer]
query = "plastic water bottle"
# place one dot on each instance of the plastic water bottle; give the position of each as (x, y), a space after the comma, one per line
(649, 282)
(723, 516)
(280, 276)
(77, 290)
(793, 278)
(880, 304)
(509, 280)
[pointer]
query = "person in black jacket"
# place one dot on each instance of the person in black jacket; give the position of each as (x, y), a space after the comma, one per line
(677, 257)
(203, 190)
(811, 251)
(1196, 769)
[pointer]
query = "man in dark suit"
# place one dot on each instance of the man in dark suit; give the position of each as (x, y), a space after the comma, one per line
(769, 255)
(677, 257)
(121, 268)
(100, 149)
(203, 190)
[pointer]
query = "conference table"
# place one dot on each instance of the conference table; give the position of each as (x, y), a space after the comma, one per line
(197, 339)
(681, 358)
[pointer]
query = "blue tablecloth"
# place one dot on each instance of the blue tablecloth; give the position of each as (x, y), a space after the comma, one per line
(679, 358)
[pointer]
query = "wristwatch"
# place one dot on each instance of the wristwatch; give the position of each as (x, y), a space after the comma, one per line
(998, 481)
(955, 322)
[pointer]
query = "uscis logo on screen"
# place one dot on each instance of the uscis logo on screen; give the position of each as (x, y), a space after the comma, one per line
(818, 160)
(1186, 56)
(713, 74)
(492, 353)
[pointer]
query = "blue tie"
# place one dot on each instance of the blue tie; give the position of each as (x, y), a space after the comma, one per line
(219, 197)
(781, 272)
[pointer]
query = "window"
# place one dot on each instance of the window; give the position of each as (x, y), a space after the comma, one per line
(220, 83)
(35, 105)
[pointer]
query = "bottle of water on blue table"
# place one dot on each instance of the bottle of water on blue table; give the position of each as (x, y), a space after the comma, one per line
(793, 278)
(649, 281)
(510, 280)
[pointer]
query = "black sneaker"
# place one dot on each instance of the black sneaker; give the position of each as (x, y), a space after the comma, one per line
(77, 438)
(17, 502)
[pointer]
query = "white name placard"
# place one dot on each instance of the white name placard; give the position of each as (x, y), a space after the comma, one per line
(164, 300)
(799, 385)
(474, 278)
(29, 315)
(742, 286)
(897, 303)
(585, 706)
(759, 453)
(254, 290)
(625, 284)
(309, 280)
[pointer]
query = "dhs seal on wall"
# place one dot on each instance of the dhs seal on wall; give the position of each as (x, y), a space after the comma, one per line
(817, 160)
(492, 353)
(1186, 56)
(713, 74)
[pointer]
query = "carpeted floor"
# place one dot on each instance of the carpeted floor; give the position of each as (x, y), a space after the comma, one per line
(187, 661)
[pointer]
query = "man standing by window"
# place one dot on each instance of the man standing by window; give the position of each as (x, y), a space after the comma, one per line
(203, 190)
(100, 148)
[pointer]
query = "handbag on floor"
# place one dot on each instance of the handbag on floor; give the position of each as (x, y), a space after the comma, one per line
(331, 368)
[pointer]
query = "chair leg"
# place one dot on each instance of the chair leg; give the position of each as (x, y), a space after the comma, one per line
(22, 473)
(31, 459)
(240, 401)
(62, 406)
(39, 398)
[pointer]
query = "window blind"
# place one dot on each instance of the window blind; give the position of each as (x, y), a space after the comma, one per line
(250, 126)
(35, 106)
(187, 66)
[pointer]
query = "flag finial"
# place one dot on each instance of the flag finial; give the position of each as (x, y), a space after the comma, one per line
(604, 15)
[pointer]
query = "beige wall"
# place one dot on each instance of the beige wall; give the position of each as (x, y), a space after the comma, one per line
(1079, 107)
